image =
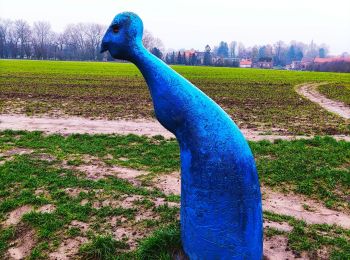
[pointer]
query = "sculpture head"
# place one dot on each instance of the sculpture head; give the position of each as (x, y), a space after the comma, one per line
(123, 36)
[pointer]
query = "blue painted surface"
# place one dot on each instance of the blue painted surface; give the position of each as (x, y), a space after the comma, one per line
(221, 211)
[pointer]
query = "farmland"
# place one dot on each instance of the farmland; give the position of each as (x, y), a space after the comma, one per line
(111, 196)
(256, 99)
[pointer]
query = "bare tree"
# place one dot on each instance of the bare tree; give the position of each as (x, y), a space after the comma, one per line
(93, 37)
(150, 42)
(59, 45)
(242, 52)
(233, 49)
(255, 54)
(280, 50)
(73, 37)
(5, 37)
(22, 34)
(42, 36)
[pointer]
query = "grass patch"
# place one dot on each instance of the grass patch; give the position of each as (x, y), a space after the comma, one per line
(6, 235)
(163, 244)
(270, 232)
(310, 167)
(102, 247)
(340, 92)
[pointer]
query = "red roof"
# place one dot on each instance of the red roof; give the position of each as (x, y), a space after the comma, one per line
(323, 60)
(335, 59)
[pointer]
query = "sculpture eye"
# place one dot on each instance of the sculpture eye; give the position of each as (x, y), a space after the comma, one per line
(115, 28)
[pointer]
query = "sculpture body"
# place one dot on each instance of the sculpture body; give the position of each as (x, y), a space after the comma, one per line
(221, 211)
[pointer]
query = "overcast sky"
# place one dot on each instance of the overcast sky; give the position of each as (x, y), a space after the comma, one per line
(194, 23)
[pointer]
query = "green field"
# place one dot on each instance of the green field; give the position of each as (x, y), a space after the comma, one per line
(45, 173)
(258, 99)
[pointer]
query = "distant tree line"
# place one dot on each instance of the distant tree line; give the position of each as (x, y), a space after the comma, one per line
(229, 55)
(20, 40)
(279, 53)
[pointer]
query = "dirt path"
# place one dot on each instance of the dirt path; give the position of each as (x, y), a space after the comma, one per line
(71, 125)
(310, 92)
(300, 207)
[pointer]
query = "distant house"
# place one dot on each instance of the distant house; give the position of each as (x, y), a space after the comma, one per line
(305, 63)
(295, 65)
(264, 63)
(245, 63)
(189, 53)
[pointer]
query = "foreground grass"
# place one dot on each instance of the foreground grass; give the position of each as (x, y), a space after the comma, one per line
(318, 168)
(263, 99)
(44, 174)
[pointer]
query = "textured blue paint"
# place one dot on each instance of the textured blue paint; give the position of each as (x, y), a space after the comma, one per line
(221, 212)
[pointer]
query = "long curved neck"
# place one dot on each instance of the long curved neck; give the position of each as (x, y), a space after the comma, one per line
(168, 89)
(154, 70)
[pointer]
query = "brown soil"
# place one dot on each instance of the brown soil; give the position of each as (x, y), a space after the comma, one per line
(41, 191)
(127, 201)
(15, 216)
(16, 151)
(128, 174)
(276, 248)
(49, 208)
(161, 201)
(128, 233)
(100, 171)
(68, 248)
(292, 205)
(45, 157)
(22, 247)
(74, 192)
(8, 155)
(310, 92)
(169, 184)
(70, 125)
(83, 227)
(285, 227)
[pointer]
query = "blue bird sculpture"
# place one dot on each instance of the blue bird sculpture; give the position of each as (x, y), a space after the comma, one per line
(221, 210)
